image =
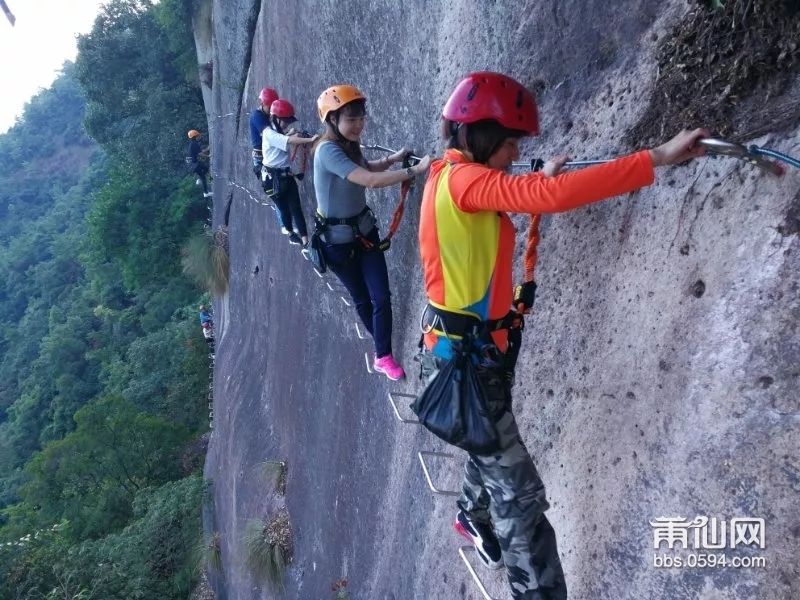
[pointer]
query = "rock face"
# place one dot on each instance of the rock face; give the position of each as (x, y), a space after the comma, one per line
(660, 373)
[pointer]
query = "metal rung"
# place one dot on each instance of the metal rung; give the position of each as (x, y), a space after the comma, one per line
(462, 552)
(397, 412)
(369, 365)
(360, 335)
(434, 489)
(346, 301)
(330, 287)
(318, 274)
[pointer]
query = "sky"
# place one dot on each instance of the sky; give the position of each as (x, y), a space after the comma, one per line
(32, 52)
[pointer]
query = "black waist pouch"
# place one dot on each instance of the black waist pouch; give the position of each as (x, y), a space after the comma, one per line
(315, 255)
(454, 407)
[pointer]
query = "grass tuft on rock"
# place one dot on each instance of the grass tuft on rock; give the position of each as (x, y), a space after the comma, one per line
(205, 260)
(268, 549)
(273, 472)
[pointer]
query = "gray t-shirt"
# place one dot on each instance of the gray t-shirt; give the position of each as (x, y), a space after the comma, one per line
(336, 196)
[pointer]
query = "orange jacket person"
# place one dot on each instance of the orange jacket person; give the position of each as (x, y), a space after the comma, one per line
(467, 246)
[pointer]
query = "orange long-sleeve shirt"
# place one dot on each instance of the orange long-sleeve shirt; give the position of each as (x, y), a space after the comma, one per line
(467, 240)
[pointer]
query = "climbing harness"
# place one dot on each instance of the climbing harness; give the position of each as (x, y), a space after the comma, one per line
(459, 324)
(367, 245)
(754, 155)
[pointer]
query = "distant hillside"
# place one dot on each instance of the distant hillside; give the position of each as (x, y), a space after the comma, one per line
(103, 367)
(48, 170)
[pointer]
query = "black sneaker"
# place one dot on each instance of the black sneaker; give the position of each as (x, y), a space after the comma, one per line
(306, 251)
(295, 239)
(482, 536)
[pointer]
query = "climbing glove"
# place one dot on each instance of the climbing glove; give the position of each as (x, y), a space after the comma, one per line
(524, 295)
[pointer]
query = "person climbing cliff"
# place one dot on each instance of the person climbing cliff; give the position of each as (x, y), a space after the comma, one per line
(207, 325)
(350, 237)
(464, 214)
(277, 138)
(197, 157)
(259, 120)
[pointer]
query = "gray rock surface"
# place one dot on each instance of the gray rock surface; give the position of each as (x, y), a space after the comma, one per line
(660, 371)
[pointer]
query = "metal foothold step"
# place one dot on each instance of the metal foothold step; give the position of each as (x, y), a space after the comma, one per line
(421, 454)
(393, 402)
(462, 552)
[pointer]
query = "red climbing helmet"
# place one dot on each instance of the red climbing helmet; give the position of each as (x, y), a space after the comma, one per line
(267, 96)
(488, 95)
(282, 109)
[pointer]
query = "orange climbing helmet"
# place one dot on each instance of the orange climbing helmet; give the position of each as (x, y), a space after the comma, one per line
(267, 97)
(193, 133)
(487, 95)
(282, 109)
(335, 97)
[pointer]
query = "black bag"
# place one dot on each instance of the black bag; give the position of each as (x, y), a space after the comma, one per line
(453, 406)
(315, 255)
(267, 184)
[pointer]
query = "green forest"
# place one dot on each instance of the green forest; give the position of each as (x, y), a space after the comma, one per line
(103, 368)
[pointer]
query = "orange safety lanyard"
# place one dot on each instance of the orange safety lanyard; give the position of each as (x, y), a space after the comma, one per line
(531, 253)
(305, 156)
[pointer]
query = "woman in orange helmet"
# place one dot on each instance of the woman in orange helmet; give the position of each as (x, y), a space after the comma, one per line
(463, 213)
(350, 239)
(197, 159)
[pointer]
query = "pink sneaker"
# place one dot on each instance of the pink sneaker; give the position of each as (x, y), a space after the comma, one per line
(388, 367)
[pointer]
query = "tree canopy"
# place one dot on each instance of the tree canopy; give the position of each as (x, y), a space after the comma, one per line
(103, 368)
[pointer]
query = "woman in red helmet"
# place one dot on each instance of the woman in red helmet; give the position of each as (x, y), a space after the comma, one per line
(277, 138)
(351, 239)
(463, 214)
(259, 120)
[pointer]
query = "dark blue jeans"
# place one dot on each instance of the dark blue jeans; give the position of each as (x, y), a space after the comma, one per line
(365, 276)
(201, 170)
(288, 202)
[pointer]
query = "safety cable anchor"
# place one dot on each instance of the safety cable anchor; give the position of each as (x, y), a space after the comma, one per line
(748, 155)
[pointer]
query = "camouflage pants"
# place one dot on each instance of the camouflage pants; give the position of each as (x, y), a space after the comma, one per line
(506, 491)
